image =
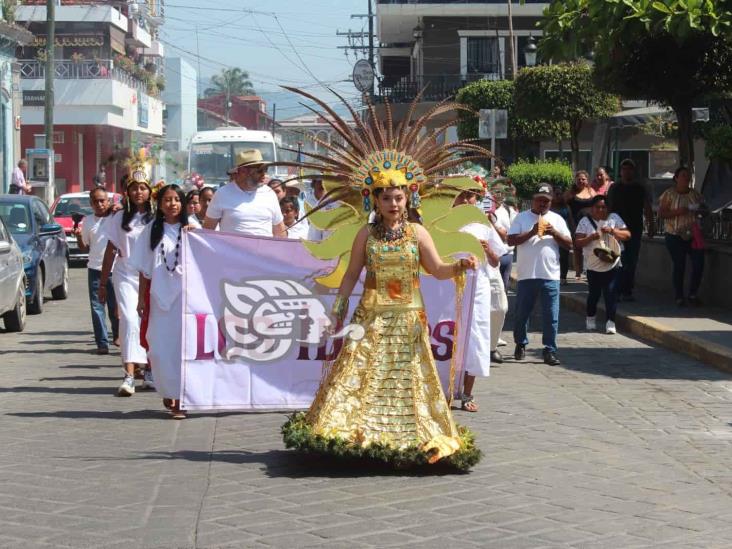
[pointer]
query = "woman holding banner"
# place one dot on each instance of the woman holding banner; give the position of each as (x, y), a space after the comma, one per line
(382, 398)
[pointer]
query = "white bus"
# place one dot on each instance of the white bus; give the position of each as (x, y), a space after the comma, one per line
(212, 153)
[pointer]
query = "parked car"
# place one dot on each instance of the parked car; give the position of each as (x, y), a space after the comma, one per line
(44, 248)
(12, 282)
(67, 209)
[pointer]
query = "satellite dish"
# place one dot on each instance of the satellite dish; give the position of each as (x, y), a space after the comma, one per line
(363, 75)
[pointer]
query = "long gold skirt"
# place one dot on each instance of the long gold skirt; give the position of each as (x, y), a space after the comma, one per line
(385, 387)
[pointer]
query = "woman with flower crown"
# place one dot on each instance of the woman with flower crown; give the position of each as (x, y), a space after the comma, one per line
(382, 398)
(123, 231)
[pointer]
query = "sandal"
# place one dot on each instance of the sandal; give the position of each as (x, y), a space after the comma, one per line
(176, 412)
(468, 403)
(168, 403)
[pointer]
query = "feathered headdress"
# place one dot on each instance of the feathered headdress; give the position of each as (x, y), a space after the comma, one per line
(137, 166)
(378, 154)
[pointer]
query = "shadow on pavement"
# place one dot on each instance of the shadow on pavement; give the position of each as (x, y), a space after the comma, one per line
(80, 378)
(291, 464)
(61, 390)
(638, 363)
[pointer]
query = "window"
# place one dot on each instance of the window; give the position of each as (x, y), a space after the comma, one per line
(16, 216)
(40, 213)
(483, 55)
(3, 235)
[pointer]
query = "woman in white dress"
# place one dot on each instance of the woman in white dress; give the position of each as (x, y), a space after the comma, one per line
(489, 306)
(158, 261)
(123, 231)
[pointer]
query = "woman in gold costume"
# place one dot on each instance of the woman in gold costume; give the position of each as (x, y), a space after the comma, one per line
(382, 397)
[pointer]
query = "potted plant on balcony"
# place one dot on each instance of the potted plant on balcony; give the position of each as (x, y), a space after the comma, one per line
(77, 57)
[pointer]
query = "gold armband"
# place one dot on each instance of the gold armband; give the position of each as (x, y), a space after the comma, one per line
(340, 307)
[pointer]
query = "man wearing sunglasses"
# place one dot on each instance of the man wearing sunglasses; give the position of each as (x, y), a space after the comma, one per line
(247, 205)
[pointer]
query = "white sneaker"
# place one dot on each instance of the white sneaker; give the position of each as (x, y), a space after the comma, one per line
(590, 323)
(501, 342)
(127, 388)
(610, 327)
(147, 383)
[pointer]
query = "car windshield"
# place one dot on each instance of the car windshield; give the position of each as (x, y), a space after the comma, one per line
(212, 160)
(16, 217)
(68, 205)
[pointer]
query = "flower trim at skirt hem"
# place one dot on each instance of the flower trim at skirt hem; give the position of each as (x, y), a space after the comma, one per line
(298, 435)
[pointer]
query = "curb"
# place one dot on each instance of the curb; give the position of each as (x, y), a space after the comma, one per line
(698, 348)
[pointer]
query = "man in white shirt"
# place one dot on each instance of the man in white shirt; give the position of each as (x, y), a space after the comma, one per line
(18, 184)
(247, 205)
(538, 233)
(92, 238)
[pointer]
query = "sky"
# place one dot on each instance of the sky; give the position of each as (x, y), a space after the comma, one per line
(278, 42)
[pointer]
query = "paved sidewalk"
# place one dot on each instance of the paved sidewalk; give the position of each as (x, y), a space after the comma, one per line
(625, 445)
(703, 333)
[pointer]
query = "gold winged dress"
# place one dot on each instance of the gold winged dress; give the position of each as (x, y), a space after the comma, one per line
(382, 398)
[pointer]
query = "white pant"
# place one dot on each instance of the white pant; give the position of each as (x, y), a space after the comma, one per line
(499, 308)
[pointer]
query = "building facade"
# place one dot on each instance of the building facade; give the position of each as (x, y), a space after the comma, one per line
(181, 121)
(108, 81)
(446, 44)
(248, 111)
(11, 36)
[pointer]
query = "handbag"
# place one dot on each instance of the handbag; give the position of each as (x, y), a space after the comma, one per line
(697, 238)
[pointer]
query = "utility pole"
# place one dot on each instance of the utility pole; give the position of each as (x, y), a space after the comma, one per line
(50, 73)
(362, 42)
(371, 43)
(511, 42)
(274, 119)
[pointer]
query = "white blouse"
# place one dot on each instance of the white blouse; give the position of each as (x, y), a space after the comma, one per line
(161, 266)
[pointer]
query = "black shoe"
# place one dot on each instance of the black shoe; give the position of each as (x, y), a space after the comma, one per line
(681, 302)
(628, 298)
(520, 352)
(496, 357)
(694, 301)
(550, 358)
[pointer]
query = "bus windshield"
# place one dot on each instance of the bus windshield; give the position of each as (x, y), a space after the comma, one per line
(213, 160)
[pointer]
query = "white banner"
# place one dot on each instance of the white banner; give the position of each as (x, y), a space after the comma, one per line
(253, 317)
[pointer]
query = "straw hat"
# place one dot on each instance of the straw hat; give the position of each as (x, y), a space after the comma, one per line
(247, 159)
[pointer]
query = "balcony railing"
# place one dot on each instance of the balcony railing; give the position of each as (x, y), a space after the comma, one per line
(438, 86)
(86, 69)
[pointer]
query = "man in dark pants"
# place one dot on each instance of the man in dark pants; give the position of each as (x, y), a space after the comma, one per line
(630, 199)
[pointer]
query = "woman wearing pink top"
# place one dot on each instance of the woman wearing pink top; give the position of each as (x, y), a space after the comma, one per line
(602, 181)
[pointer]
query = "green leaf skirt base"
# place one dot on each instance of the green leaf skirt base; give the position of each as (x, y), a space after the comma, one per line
(298, 435)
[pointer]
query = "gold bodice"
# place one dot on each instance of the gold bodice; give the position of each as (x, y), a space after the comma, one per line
(392, 272)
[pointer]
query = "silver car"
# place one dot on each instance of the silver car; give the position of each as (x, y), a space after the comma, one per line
(12, 282)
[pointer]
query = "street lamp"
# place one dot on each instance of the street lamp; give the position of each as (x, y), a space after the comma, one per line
(530, 52)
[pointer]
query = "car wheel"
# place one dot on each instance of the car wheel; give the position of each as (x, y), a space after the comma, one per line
(15, 319)
(35, 307)
(62, 291)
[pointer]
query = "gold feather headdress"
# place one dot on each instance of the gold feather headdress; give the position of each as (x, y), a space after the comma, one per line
(378, 154)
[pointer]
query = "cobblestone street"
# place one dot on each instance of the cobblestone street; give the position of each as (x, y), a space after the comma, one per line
(624, 445)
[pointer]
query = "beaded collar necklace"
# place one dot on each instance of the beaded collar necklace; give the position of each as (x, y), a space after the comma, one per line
(389, 235)
(177, 252)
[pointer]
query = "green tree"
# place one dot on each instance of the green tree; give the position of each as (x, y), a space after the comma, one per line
(230, 83)
(499, 94)
(674, 52)
(563, 93)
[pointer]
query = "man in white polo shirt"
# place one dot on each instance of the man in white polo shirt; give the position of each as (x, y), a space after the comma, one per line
(92, 238)
(538, 233)
(247, 205)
